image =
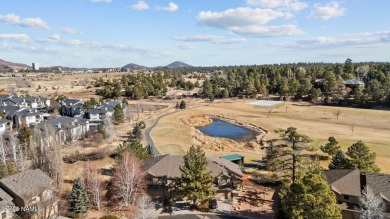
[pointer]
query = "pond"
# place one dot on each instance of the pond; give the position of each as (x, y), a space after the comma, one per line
(222, 129)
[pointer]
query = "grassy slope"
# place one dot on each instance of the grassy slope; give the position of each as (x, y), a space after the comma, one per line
(319, 122)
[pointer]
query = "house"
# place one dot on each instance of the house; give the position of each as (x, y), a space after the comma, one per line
(21, 116)
(71, 107)
(67, 128)
(27, 117)
(345, 183)
(161, 173)
(16, 101)
(380, 184)
(6, 205)
(99, 113)
(353, 83)
(33, 192)
(5, 125)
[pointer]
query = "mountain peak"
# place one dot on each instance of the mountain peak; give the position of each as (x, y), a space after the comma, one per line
(178, 64)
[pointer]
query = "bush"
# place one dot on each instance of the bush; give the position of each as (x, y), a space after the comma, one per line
(96, 155)
(72, 215)
(109, 217)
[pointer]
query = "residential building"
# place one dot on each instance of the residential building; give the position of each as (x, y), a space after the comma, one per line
(33, 192)
(67, 128)
(21, 116)
(99, 113)
(72, 107)
(6, 205)
(161, 173)
(353, 83)
(5, 125)
(345, 183)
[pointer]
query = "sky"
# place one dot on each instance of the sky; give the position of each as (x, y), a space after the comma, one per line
(112, 33)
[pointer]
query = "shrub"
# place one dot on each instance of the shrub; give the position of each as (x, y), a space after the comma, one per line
(72, 215)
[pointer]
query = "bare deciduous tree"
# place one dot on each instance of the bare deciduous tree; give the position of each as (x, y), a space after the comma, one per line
(128, 113)
(4, 151)
(109, 126)
(337, 113)
(94, 184)
(269, 109)
(46, 153)
(371, 204)
(146, 207)
(353, 125)
(128, 180)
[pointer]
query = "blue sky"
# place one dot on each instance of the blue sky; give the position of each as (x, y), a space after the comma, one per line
(112, 33)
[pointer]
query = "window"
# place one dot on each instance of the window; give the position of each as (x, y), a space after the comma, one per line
(346, 197)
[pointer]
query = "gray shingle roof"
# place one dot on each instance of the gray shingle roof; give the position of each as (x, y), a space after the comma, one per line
(68, 102)
(67, 122)
(27, 184)
(5, 199)
(345, 181)
(380, 183)
(168, 166)
(353, 82)
(4, 121)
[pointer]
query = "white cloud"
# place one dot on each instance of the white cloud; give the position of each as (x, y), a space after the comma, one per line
(268, 31)
(209, 38)
(243, 16)
(69, 30)
(249, 21)
(105, 1)
(171, 7)
(186, 46)
(19, 37)
(293, 5)
(55, 37)
(26, 22)
(326, 12)
(345, 40)
(140, 5)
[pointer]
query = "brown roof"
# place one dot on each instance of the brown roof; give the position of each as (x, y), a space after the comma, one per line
(27, 184)
(346, 182)
(5, 199)
(380, 183)
(169, 166)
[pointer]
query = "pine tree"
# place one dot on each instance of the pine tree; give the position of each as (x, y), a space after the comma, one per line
(79, 202)
(134, 147)
(182, 104)
(361, 158)
(309, 197)
(177, 105)
(332, 147)
(195, 182)
(118, 114)
(339, 161)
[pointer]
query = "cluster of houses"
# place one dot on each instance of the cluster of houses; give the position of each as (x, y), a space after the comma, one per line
(72, 124)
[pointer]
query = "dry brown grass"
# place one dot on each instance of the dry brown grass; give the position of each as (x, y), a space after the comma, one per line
(319, 122)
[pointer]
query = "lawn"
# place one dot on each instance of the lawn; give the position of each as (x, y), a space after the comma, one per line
(318, 122)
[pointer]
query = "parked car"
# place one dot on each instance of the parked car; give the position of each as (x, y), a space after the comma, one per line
(213, 204)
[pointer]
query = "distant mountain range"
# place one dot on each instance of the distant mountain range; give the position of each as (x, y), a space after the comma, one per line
(176, 64)
(5, 65)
